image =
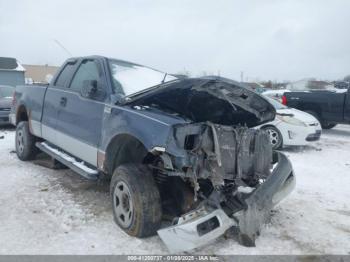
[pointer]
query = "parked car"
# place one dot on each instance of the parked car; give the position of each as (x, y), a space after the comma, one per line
(6, 93)
(291, 127)
(329, 107)
(179, 147)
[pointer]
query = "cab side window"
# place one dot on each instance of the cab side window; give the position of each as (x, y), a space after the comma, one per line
(88, 70)
(65, 75)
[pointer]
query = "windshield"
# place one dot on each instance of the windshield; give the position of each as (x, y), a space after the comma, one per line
(6, 91)
(277, 105)
(131, 78)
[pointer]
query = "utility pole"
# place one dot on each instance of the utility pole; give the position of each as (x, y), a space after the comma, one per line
(242, 75)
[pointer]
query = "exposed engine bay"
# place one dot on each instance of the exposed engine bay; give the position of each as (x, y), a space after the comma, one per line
(220, 158)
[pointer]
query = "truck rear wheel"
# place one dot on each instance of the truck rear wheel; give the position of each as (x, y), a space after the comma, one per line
(135, 200)
(25, 142)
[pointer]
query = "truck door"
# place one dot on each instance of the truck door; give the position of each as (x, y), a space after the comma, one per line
(79, 121)
(52, 103)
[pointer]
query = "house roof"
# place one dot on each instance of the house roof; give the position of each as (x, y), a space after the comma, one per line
(10, 64)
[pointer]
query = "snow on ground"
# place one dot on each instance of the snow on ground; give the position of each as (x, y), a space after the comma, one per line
(44, 211)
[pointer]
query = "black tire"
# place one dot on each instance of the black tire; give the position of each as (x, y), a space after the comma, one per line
(327, 125)
(25, 142)
(140, 217)
(275, 136)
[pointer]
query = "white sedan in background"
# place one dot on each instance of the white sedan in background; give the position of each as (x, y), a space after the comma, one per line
(291, 127)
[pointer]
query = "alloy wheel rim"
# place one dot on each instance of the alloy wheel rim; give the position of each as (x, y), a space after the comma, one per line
(123, 204)
(274, 137)
(20, 141)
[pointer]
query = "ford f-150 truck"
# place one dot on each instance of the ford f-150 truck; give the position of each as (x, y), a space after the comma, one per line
(180, 149)
(329, 107)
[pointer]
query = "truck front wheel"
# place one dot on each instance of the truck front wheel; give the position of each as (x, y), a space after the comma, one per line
(25, 142)
(135, 200)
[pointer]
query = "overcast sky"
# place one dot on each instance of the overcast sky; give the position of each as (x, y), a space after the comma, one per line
(272, 39)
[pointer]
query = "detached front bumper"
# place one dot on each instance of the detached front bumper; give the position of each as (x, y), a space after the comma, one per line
(196, 229)
(200, 227)
(259, 204)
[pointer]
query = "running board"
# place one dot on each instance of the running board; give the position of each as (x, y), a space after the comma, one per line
(68, 160)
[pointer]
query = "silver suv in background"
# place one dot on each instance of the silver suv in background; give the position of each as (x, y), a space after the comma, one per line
(6, 93)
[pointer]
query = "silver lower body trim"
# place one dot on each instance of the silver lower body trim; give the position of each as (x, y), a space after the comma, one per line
(71, 145)
(35, 127)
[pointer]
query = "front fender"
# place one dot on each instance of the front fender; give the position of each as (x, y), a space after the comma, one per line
(149, 130)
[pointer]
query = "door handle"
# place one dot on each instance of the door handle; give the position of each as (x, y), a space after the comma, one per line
(63, 101)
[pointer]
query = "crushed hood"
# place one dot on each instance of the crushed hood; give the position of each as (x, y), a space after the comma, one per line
(215, 99)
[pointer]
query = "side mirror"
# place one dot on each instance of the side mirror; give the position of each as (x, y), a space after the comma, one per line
(92, 89)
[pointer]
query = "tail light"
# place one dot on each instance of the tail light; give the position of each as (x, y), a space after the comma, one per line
(284, 100)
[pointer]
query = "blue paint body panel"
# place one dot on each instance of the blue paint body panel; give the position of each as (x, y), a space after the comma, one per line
(80, 118)
(84, 121)
(152, 129)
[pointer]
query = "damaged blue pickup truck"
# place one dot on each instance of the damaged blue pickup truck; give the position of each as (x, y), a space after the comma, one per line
(176, 150)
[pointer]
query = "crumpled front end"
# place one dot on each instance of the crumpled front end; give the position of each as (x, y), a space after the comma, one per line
(232, 178)
(214, 172)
